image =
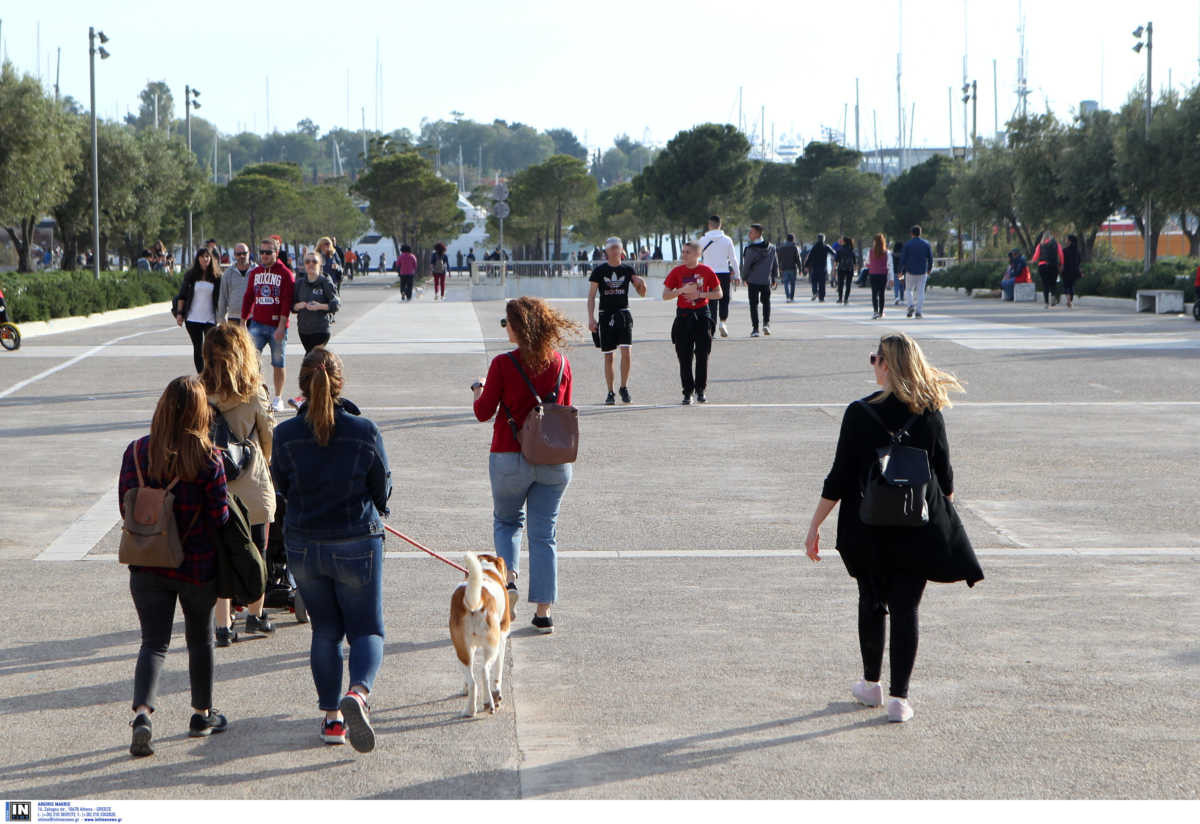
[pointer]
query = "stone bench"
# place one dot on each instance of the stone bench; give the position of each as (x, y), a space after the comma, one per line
(1160, 301)
(1024, 292)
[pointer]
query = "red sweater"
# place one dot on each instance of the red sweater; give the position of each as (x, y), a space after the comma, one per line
(268, 294)
(504, 383)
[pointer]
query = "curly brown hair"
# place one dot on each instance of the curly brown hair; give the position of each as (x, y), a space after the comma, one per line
(539, 329)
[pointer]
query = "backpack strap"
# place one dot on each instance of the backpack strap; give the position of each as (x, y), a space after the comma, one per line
(900, 433)
(137, 465)
(536, 397)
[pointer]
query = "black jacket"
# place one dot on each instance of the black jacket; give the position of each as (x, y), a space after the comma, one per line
(1071, 260)
(187, 289)
(940, 550)
(789, 255)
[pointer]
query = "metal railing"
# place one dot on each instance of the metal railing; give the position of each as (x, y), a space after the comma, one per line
(483, 271)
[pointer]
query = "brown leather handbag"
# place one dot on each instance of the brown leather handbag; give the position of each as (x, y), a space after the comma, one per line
(550, 433)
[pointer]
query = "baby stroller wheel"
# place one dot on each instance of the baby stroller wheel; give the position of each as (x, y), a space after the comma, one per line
(10, 336)
(1196, 308)
(298, 606)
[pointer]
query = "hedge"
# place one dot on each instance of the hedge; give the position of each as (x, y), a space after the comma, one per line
(1110, 278)
(45, 295)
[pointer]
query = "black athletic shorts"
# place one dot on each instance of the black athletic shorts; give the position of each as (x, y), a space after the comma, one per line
(616, 329)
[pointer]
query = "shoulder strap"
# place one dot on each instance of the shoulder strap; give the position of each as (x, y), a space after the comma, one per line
(710, 243)
(137, 465)
(536, 397)
(899, 433)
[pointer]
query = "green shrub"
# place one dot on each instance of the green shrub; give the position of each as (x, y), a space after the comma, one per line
(45, 295)
(1109, 278)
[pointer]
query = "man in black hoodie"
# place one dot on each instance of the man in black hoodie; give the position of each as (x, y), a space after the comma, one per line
(760, 271)
(817, 266)
(789, 257)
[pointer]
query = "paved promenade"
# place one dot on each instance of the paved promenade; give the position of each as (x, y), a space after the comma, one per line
(697, 652)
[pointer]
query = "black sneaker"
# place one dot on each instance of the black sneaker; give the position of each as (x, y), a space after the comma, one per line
(700, 398)
(202, 725)
(687, 399)
(513, 597)
(140, 746)
(610, 399)
(543, 624)
(225, 637)
(260, 625)
(358, 721)
(910, 311)
(625, 395)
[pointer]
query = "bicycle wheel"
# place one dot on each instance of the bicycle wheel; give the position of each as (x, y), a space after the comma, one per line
(10, 336)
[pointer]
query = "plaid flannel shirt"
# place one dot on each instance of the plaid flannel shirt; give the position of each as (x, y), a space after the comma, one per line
(206, 496)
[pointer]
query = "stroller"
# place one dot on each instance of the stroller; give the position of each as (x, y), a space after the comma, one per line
(282, 592)
(10, 335)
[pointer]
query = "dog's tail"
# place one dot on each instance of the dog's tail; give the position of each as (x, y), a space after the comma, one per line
(474, 595)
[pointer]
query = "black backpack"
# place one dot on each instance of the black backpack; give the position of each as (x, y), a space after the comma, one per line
(894, 491)
(1048, 258)
(237, 454)
(241, 570)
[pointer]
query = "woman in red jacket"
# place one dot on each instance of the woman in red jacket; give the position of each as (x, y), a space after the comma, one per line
(518, 486)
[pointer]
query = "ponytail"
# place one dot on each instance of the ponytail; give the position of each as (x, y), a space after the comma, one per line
(321, 382)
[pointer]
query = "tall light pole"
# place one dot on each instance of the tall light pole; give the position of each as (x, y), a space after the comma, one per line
(1148, 44)
(92, 50)
(189, 103)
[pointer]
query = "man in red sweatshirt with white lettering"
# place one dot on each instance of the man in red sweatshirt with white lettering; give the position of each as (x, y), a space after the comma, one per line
(266, 308)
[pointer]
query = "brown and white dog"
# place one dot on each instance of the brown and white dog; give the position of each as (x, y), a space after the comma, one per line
(480, 619)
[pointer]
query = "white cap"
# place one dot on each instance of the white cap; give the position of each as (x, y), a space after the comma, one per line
(613, 241)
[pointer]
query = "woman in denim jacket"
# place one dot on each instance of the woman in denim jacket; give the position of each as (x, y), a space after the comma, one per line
(330, 466)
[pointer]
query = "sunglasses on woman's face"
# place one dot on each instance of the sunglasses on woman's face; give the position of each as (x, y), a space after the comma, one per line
(503, 322)
(876, 358)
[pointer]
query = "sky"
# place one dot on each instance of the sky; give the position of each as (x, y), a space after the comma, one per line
(646, 69)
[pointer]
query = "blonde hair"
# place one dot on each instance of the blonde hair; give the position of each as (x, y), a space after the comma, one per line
(321, 382)
(231, 367)
(325, 242)
(913, 380)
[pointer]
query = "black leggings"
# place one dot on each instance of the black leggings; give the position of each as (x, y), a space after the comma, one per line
(692, 335)
(878, 292)
(313, 340)
(900, 595)
(197, 331)
(1049, 286)
(154, 598)
(844, 281)
(1068, 284)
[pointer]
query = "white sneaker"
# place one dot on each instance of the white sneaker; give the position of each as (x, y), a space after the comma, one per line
(278, 405)
(869, 693)
(724, 330)
(766, 329)
(899, 710)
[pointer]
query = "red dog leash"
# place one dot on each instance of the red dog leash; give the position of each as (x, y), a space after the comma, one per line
(404, 537)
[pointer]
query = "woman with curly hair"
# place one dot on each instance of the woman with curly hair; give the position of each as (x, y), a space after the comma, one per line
(538, 330)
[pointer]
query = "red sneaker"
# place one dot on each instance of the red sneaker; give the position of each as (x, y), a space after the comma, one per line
(333, 732)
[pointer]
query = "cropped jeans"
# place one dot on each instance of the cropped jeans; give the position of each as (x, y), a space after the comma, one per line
(519, 487)
(341, 581)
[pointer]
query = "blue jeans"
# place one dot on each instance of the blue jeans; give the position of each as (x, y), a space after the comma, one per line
(263, 334)
(516, 483)
(898, 287)
(789, 283)
(341, 582)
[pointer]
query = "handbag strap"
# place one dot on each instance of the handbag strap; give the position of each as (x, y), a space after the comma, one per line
(899, 433)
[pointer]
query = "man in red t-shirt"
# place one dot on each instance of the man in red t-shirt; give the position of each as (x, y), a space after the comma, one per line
(266, 308)
(692, 285)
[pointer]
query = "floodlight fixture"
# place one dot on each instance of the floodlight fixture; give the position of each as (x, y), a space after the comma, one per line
(103, 37)
(1139, 31)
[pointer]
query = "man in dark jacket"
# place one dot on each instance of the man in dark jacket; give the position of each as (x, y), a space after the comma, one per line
(789, 258)
(817, 264)
(760, 271)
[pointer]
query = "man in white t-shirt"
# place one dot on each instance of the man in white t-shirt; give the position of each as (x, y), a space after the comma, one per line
(718, 254)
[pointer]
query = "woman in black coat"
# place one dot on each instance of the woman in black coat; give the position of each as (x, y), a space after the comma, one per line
(1071, 271)
(893, 564)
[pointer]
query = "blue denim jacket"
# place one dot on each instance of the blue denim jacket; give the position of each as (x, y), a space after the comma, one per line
(335, 491)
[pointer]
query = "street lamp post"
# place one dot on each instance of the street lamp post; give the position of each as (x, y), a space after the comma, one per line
(92, 49)
(189, 103)
(1148, 44)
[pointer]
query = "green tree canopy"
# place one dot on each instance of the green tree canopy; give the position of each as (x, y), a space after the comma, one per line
(408, 201)
(921, 197)
(38, 154)
(701, 171)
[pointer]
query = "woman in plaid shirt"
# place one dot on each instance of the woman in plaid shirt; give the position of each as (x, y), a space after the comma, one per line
(178, 448)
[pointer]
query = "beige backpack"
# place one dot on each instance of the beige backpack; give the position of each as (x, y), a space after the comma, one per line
(150, 536)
